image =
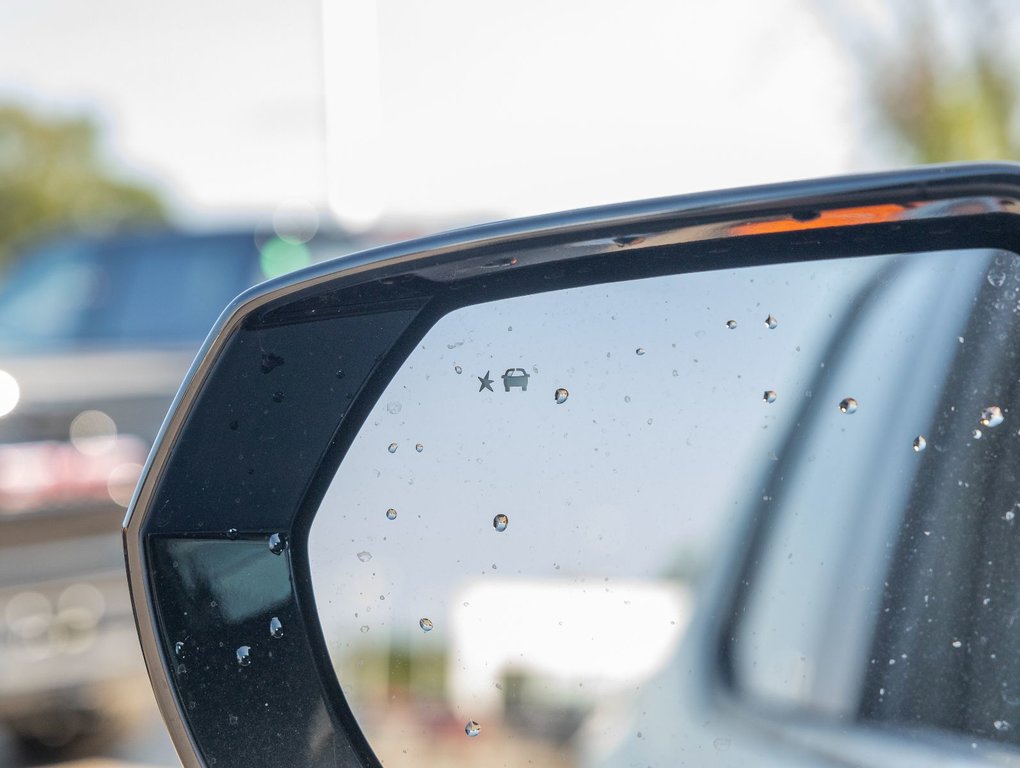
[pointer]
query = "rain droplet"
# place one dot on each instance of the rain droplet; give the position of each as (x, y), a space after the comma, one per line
(976, 434)
(561, 396)
(392, 448)
(458, 369)
(957, 644)
(920, 444)
(419, 447)
(996, 279)
(340, 374)
(425, 624)
(500, 522)
(391, 514)
(275, 628)
(231, 533)
(848, 405)
(472, 728)
(278, 543)
(639, 351)
(769, 396)
(393, 408)
(278, 397)
(244, 655)
(364, 628)
(731, 324)
(1010, 515)
(1001, 725)
(991, 416)
(771, 322)
(721, 744)
(179, 649)
(270, 361)
(364, 556)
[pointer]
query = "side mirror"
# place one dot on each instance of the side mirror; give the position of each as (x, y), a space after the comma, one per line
(729, 476)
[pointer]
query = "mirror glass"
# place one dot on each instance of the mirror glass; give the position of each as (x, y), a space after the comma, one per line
(577, 519)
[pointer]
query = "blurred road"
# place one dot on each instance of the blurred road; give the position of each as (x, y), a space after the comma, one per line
(148, 746)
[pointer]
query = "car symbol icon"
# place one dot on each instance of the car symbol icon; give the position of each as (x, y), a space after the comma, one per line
(515, 377)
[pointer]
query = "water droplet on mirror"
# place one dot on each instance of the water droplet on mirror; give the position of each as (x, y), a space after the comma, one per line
(976, 434)
(364, 556)
(278, 397)
(1010, 514)
(419, 447)
(639, 351)
(425, 624)
(244, 655)
(769, 396)
(996, 279)
(561, 396)
(393, 408)
(991, 416)
(275, 628)
(1001, 725)
(848, 405)
(392, 448)
(731, 324)
(721, 744)
(771, 322)
(957, 644)
(179, 649)
(340, 374)
(472, 728)
(364, 628)
(278, 543)
(391, 514)
(231, 533)
(920, 444)
(270, 361)
(458, 369)
(500, 522)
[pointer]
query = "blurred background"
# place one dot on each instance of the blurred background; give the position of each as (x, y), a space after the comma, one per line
(157, 159)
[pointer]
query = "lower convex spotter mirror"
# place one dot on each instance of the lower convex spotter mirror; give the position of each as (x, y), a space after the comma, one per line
(611, 487)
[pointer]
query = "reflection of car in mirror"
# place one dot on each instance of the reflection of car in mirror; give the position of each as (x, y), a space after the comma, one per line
(689, 576)
(515, 377)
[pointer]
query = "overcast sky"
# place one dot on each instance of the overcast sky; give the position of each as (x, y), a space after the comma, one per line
(482, 111)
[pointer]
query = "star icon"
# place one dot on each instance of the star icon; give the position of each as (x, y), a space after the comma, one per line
(486, 381)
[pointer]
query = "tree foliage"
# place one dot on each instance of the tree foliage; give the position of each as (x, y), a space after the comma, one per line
(941, 79)
(53, 178)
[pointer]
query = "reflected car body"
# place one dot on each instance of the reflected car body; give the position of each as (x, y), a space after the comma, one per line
(95, 335)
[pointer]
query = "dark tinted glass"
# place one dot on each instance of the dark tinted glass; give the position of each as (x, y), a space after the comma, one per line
(151, 290)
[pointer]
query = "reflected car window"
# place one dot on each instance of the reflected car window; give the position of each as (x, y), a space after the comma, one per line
(512, 555)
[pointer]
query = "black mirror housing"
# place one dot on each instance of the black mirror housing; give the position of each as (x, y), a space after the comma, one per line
(216, 537)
